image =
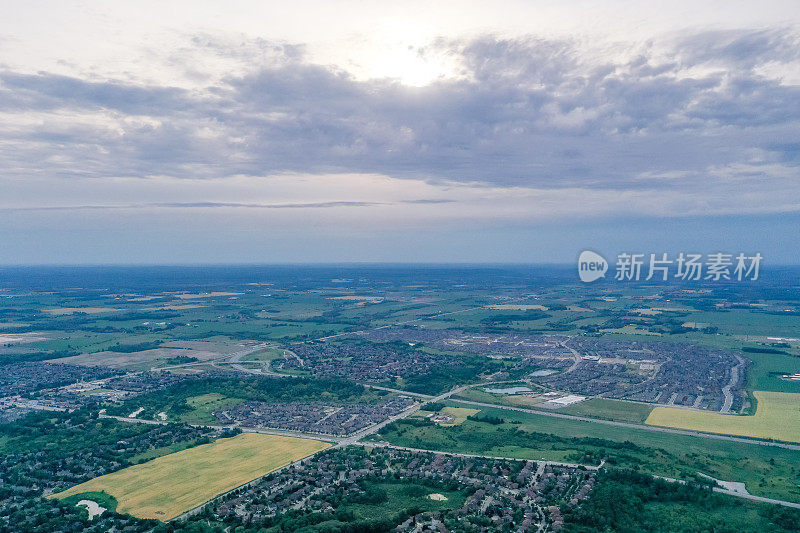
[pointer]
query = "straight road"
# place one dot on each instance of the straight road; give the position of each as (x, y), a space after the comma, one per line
(357, 436)
(645, 427)
(480, 456)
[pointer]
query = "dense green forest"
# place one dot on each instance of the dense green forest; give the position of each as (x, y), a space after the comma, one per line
(627, 501)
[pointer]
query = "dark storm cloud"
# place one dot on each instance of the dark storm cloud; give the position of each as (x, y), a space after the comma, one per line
(526, 112)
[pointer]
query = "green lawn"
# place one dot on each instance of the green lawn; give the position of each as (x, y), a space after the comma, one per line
(749, 322)
(764, 373)
(102, 498)
(610, 410)
(204, 406)
(405, 495)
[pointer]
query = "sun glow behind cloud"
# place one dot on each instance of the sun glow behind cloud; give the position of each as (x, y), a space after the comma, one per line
(402, 51)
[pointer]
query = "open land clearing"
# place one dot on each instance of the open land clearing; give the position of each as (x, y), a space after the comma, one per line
(194, 296)
(457, 414)
(170, 485)
(136, 360)
(173, 307)
(21, 338)
(369, 299)
(88, 310)
(622, 411)
(777, 417)
(517, 307)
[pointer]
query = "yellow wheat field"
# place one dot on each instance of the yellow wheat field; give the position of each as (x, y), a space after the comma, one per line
(170, 485)
(777, 417)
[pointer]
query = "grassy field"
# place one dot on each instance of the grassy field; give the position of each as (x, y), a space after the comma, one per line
(777, 417)
(476, 394)
(610, 410)
(749, 322)
(203, 407)
(767, 471)
(104, 500)
(173, 484)
(406, 495)
(594, 407)
(766, 371)
(459, 414)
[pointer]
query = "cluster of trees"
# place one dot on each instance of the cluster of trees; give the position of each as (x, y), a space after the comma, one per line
(181, 360)
(260, 388)
(63, 433)
(39, 515)
(10, 358)
(52, 451)
(445, 377)
(473, 439)
(488, 419)
(508, 318)
(627, 500)
(131, 348)
(755, 349)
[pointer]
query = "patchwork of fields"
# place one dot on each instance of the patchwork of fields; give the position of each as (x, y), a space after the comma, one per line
(777, 417)
(169, 486)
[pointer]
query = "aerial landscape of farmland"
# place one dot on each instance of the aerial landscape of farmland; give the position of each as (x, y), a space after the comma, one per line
(187, 414)
(400, 267)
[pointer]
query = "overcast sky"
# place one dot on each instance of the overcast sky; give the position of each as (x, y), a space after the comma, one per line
(170, 132)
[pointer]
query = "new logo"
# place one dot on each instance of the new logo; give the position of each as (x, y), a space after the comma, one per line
(591, 266)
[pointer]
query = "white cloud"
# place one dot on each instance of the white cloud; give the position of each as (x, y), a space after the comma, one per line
(522, 115)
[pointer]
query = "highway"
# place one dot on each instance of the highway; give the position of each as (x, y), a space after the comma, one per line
(481, 456)
(645, 427)
(554, 414)
(357, 436)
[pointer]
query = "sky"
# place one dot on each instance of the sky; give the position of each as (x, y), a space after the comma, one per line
(350, 131)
